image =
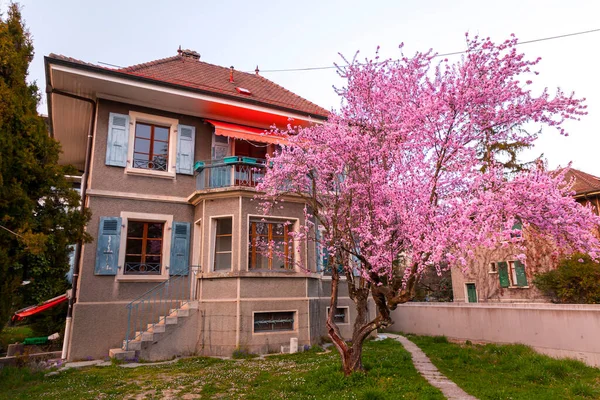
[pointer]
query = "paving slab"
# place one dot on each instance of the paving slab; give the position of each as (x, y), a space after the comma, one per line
(430, 372)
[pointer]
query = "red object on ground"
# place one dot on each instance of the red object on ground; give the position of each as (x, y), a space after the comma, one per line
(32, 310)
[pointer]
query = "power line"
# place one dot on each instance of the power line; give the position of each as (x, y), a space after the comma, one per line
(439, 55)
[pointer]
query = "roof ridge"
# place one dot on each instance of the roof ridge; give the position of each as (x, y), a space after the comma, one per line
(135, 67)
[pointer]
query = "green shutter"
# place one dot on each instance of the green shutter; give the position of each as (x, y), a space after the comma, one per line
(108, 242)
(520, 271)
(180, 249)
(318, 265)
(471, 293)
(117, 140)
(503, 274)
(185, 149)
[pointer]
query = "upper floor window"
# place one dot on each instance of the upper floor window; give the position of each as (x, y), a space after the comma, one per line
(144, 246)
(270, 245)
(151, 147)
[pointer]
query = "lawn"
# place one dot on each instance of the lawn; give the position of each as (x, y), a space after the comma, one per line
(309, 375)
(510, 371)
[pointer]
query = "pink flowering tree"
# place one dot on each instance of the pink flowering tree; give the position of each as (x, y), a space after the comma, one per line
(404, 177)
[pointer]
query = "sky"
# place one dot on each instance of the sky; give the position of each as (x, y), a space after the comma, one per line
(276, 35)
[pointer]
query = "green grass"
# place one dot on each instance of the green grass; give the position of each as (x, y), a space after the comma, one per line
(510, 371)
(12, 334)
(390, 375)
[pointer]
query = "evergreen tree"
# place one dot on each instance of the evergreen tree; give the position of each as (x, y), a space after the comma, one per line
(39, 210)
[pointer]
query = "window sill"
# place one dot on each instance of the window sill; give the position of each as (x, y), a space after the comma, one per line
(518, 287)
(150, 173)
(141, 278)
(492, 272)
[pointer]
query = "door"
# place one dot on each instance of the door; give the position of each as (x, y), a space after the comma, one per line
(471, 293)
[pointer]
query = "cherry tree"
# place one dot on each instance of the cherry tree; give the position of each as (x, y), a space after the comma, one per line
(404, 177)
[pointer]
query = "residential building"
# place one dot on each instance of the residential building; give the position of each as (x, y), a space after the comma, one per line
(170, 152)
(497, 276)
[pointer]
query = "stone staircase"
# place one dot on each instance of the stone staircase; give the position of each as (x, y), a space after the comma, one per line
(142, 342)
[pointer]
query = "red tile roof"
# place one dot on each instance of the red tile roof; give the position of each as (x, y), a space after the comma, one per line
(584, 182)
(192, 73)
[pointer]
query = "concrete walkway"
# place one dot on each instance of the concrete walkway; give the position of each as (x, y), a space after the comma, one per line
(430, 372)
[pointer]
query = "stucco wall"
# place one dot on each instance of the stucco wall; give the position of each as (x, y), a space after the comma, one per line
(556, 330)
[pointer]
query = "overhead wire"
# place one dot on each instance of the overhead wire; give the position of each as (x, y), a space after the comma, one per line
(438, 55)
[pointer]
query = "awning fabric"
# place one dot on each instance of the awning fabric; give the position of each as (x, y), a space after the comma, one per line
(245, 132)
(32, 310)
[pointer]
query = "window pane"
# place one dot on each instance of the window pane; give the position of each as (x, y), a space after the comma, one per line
(222, 261)
(262, 261)
(134, 246)
(261, 228)
(160, 148)
(161, 133)
(135, 229)
(155, 230)
(142, 130)
(278, 229)
(277, 321)
(224, 226)
(152, 259)
(133, 259)
(223, 243)
(141, 145)
(154, 246)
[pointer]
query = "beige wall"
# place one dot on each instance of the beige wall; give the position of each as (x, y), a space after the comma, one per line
(556, 330)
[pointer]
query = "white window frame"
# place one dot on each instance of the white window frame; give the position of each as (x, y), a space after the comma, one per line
(292, 331)
(166, 250)
(212, 242)
(268, 218)
(493, 267)
(134, 118)
(347, 315)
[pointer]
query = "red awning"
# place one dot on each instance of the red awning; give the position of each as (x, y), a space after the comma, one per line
(245, 132)
(31, 310)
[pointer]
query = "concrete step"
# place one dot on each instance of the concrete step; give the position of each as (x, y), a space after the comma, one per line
(169, 320)
(144, 336)
(156, 328)
(133, 344)
(182, 312)
(192, 305)
(120, 354)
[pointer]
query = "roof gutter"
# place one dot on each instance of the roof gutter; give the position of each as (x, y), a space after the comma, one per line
(88, 159)
(109, 72)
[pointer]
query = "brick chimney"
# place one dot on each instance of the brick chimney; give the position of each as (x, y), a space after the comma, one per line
(187, 53)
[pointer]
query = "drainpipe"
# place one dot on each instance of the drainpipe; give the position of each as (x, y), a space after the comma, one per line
(84, 181)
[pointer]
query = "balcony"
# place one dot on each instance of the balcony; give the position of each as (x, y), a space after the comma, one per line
(229, 172)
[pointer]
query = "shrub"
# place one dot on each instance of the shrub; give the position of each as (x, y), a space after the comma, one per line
(575, 281)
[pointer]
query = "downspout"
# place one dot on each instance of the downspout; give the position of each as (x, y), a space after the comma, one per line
(84, 184)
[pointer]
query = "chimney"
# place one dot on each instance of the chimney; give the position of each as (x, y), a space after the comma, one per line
(231, 74)
(256, 71)
(187, 53)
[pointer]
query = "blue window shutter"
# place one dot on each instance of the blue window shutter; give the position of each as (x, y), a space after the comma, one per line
(108, 243)
(180, 249)
(118, 139)
(185, 149)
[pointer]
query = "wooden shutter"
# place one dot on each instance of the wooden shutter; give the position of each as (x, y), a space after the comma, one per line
(180, 249)
(185, 149)
(520, 272)
(108, 243)
(471, 293)
(118, 139)
(503, 274)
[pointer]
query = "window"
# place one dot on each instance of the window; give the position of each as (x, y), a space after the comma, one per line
(151, 147)
(493, 268)
(270, 245)
(274, 321)
(143, 255)
(340, 316)
(223, 244)
(471, 293)
(517, 273)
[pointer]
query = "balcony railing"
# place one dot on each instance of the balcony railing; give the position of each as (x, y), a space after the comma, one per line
(228, 172)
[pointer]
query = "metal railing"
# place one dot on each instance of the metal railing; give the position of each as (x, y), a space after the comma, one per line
(230, 171)
(154, 306)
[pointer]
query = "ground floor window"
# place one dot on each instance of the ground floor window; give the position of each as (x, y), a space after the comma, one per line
(274, 321)
(340, 316)
(270, 245)
(223, 243)
(471, 293)
(143, 255)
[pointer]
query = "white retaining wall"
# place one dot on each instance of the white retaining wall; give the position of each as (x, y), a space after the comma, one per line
(558, 330)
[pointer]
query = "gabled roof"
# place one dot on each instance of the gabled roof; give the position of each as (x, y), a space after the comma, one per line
(584, 182)
(188, 72)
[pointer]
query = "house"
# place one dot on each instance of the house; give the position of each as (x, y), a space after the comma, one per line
(496, 276)
(170, 152)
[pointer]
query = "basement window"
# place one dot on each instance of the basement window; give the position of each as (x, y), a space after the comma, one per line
(340, 316)
(274, 321)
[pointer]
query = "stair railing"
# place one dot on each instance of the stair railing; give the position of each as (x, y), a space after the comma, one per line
(155, 305)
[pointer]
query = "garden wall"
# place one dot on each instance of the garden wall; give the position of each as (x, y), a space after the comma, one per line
(558, 330)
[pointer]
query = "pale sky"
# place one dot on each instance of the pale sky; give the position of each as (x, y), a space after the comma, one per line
(284, 34)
